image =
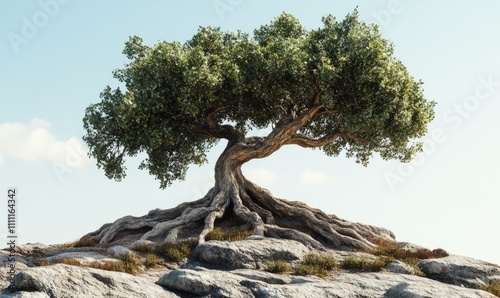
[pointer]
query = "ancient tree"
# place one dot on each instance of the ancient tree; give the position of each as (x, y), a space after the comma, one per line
(338, 88)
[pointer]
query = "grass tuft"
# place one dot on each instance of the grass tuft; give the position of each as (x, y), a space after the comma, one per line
(82, 242)
(174, 252)
(316, 264)
(169, 251)
(365, 264)
(278, 266)
(393, 250)
(493, 288)
(128, 263)
(152, 261)
(218, 234)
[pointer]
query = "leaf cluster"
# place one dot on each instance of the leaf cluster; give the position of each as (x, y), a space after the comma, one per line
(180, 99)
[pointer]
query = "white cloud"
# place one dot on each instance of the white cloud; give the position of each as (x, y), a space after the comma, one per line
(261, 176)
(33, 142)
(314, 177)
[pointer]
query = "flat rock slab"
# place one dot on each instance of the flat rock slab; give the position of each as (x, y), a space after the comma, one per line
(66, 281)
(458, 270)
(211, 283)
(251, 253)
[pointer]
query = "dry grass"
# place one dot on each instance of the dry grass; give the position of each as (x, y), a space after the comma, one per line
(127, 263)
(82, 242)
(218, 234)
(493, 288)
(394, 250)
(152, 261)
(278, 266)
(169, 251)
(316, 264)
(365, 264)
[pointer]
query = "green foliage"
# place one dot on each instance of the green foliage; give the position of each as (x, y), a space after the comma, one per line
(316, 264)
(180, 99)
(278, 266)
(365, 264)
(218, 234)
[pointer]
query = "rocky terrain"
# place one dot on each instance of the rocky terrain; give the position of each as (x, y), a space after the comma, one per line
(241, 269)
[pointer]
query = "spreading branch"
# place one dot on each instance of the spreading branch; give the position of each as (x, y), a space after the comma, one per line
(307, 142)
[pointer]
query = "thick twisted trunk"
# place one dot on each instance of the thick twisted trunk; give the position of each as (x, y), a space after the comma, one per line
(237, 203)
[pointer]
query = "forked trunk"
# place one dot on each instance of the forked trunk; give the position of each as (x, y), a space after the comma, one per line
(239, 201)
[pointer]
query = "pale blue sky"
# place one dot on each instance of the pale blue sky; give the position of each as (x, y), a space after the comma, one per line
(448, 197)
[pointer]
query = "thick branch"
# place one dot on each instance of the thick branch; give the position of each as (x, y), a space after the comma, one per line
(283, 133)
(307, 142)
(212, 129)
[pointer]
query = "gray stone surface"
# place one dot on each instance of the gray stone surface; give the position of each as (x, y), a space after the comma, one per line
(118, 251)
(234, 272)
(460, 270)
(66, 281)
(400, 267)
(211, 283)
(252, 253)
(84, 257)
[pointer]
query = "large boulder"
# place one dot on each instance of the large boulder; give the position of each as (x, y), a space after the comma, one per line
(251, 253)
(211, 283)
(66, 281)
(458, 270)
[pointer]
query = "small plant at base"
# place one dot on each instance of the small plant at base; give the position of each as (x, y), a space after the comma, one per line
(278, 266)
(130, 263)
(493, 288)
(363, 263)
(82, 242)
(152, 261)
(174, 252)
(394, 250)
(108, 266)
(218, 234)
(41, 263)
(316, 264)
(70, 261)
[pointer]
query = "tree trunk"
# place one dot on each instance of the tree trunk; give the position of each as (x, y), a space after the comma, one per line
(237, 203)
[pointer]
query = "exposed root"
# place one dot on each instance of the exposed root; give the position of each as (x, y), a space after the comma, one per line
(253, 207)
